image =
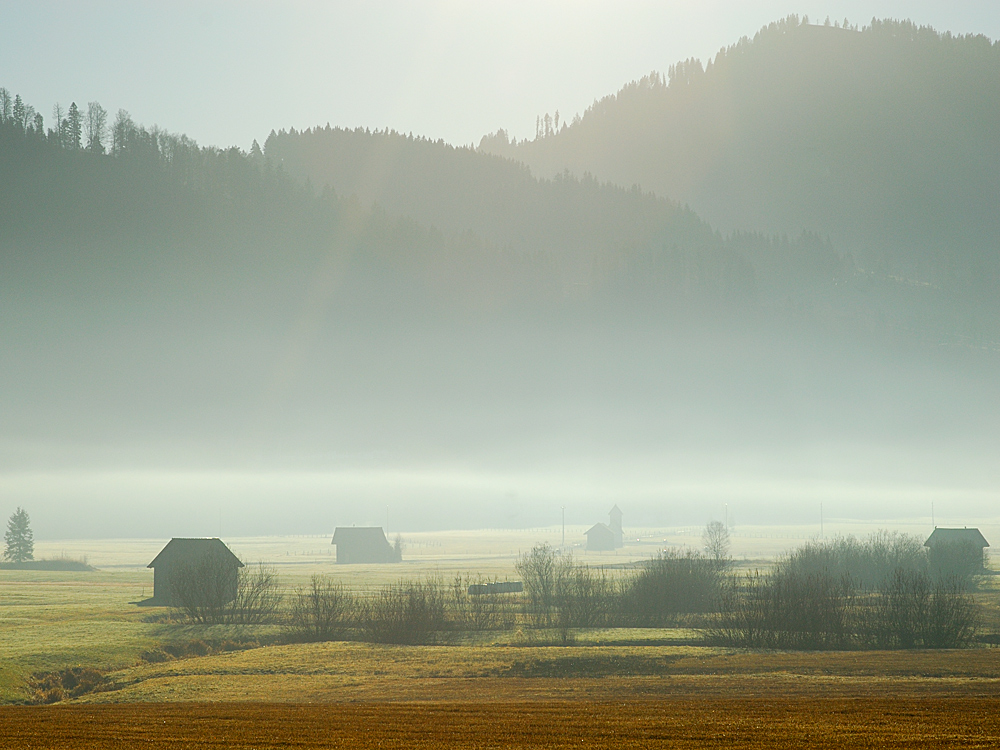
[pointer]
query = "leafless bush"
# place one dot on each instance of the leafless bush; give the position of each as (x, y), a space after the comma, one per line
(213, 591)
(406, 612)
(585, 597)
(869, 563)
(790, 610)
(786, 610)
(204, 589)
(953, 619)
(669, 584)
(916, 611)
(488, 611)
(322, 611)
(258, 595)
(540, 570)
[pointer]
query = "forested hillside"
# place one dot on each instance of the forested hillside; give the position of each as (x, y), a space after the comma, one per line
(356, 298)
(183, 295)
(885, 139)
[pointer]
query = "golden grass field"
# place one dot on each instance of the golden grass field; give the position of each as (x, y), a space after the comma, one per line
(501, 689)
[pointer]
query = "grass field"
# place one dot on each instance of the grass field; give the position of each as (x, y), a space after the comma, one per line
(670, 723)
(608, 688)
(344, 672)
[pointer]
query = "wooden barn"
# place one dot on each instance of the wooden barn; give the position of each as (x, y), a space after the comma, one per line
(203, 556)
(956, 552)
(363, 544)
(972, 537)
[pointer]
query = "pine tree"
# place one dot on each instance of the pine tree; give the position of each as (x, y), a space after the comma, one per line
(6, 104)
(19, 111)
(74, 127)
(19, 541)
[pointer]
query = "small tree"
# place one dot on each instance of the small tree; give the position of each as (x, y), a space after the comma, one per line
(541, 569)
(19, 542)
(715, 537)
(96, 124)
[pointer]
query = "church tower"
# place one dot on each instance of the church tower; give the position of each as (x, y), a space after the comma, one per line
(616, 526)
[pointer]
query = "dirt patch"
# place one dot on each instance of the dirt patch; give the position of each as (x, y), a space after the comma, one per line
(684, 723)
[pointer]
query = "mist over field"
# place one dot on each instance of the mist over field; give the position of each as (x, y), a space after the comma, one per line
(757, 282)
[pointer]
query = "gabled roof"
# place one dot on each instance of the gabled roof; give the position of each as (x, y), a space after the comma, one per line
(615, 509)
(950, 536)
(600, 528)
(187, 549)
(365, 535)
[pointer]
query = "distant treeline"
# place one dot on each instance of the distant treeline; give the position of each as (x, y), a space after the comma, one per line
(445, 227)
(397, 223)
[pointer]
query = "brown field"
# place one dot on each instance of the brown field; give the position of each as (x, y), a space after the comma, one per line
(674, 723)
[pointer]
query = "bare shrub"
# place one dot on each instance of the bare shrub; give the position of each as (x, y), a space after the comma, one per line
(953, 619)
(213, 591)
(670, 584)
(258, 596)
(540, 570)
(585, 597)
(786, 609)
(869, 563)
(205, 589)
(406, 612)
(488, 611)
(322, 611)
(916, 611)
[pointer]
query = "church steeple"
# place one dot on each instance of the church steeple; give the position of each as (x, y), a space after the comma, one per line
(616, 525)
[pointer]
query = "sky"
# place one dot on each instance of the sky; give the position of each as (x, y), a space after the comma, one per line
(228, 72)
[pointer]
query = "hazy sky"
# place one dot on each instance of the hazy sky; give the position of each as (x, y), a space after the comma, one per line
(228, 72)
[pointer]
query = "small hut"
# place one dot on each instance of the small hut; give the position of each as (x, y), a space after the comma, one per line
(602, 537)
(198, 556)
(363, 544)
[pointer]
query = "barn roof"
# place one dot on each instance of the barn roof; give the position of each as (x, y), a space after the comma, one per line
(185, 549)
(366, 535)
(950, 536)
(600, 528)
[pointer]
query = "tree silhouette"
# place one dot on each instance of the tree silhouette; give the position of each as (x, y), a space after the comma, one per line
(19, 542)
(97, 127)
(74, 127)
